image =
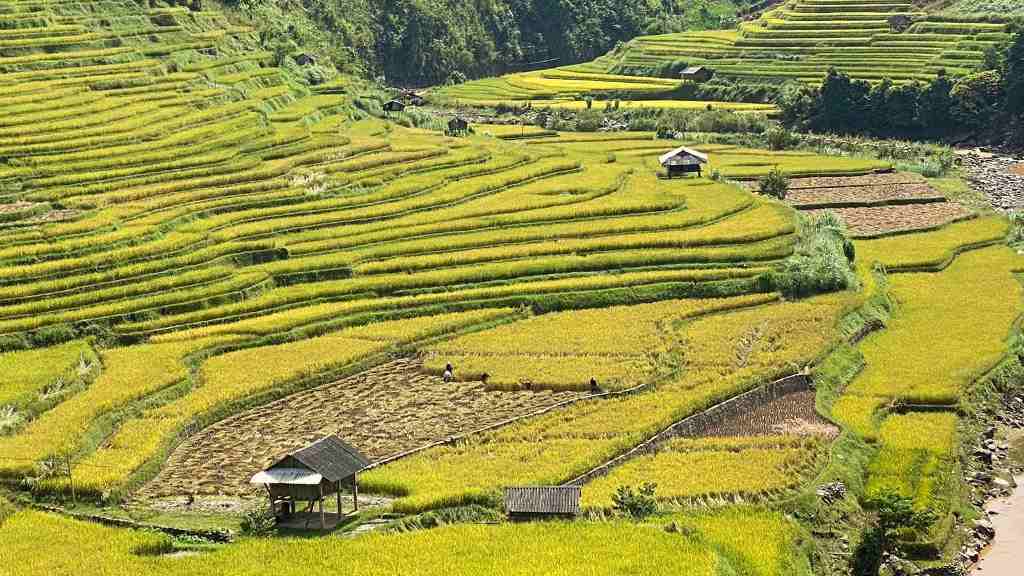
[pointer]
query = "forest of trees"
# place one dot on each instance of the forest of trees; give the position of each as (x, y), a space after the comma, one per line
(432, 41)
(986, 105)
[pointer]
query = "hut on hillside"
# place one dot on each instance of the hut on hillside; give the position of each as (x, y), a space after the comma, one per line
(458, 125)
(683, 161)
(394, 106)
(304, 59)
(542, 502)
(311, 475)
(699, 74)
(413, 98)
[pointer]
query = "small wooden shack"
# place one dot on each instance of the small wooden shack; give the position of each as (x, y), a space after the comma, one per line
(394, 106)
(699, 74)
(458, 125)
(412, 98)
(542, 502)
(683, 161)
(304, 59)
(311, 475)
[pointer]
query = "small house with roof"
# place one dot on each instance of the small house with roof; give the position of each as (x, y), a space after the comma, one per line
(542, 502)
(458, 125)
(699, 74)
(683, 161)
(310, 476)
(394, 106)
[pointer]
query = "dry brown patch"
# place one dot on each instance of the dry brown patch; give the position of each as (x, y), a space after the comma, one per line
(878, 220)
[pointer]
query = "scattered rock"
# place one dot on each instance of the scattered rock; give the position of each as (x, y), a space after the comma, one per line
(985, 529)
(998, 177)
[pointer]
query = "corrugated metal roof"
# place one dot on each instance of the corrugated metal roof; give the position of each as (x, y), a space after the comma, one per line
(287, 476)
(542, 500)
(682, 150)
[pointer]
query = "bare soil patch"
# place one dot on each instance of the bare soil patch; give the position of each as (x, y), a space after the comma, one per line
(382, 411)
(859, 196)
(791, 415)
(873, 221)
(888, 179)
(1017, 169)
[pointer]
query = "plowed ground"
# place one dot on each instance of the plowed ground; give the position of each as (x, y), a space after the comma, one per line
(382, 411)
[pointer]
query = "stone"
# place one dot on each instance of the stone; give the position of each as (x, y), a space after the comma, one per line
(984, 526)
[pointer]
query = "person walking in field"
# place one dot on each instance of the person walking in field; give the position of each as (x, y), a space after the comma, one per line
(449, 373)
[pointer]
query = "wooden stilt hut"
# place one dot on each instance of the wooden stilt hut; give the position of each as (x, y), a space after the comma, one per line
(311, 475)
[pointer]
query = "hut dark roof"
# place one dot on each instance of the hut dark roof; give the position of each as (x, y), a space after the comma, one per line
(331, 457)
(543, 500)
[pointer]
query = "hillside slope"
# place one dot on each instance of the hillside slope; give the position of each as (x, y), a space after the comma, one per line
(426, 41)
(797, 41)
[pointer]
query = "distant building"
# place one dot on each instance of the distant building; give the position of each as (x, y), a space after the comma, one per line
(683, 161)
(304, 59)
(413, 98)
(394, 106)
(458, 125)
(542, 502)
(698, 74)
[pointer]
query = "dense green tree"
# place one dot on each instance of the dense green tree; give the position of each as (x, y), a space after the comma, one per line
(936, 106)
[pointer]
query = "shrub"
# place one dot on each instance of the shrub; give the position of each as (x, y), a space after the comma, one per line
(821, 261)
(639, 503)
(12, 342)
(474, 513)
(897, 516)
(588, 121)
(780, 139)
(1017, 226)
(258, 522)
(775, 184)
(51, 335)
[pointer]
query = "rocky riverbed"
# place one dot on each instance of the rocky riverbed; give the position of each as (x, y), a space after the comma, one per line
(1000, 178)
(994, 541)
(1006, 521)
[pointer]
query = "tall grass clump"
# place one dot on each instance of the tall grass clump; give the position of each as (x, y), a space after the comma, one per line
(820, 262)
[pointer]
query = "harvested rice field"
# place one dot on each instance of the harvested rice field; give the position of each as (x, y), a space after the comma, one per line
(876, 204)
(386, 410)
(876, 221)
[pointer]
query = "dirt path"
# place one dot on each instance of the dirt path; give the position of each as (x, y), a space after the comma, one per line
(382, 411)
(1004, 557)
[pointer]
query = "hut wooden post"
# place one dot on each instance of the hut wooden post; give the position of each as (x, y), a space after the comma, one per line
(337, 492)
(355, 493)
(323, 519)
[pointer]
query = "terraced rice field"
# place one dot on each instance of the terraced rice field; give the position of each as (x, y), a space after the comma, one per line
(226, 265)
(797, 40)
(232, 233)
(688, 472)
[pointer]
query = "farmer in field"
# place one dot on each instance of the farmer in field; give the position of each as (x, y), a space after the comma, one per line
(449, 373)
(594, 388)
